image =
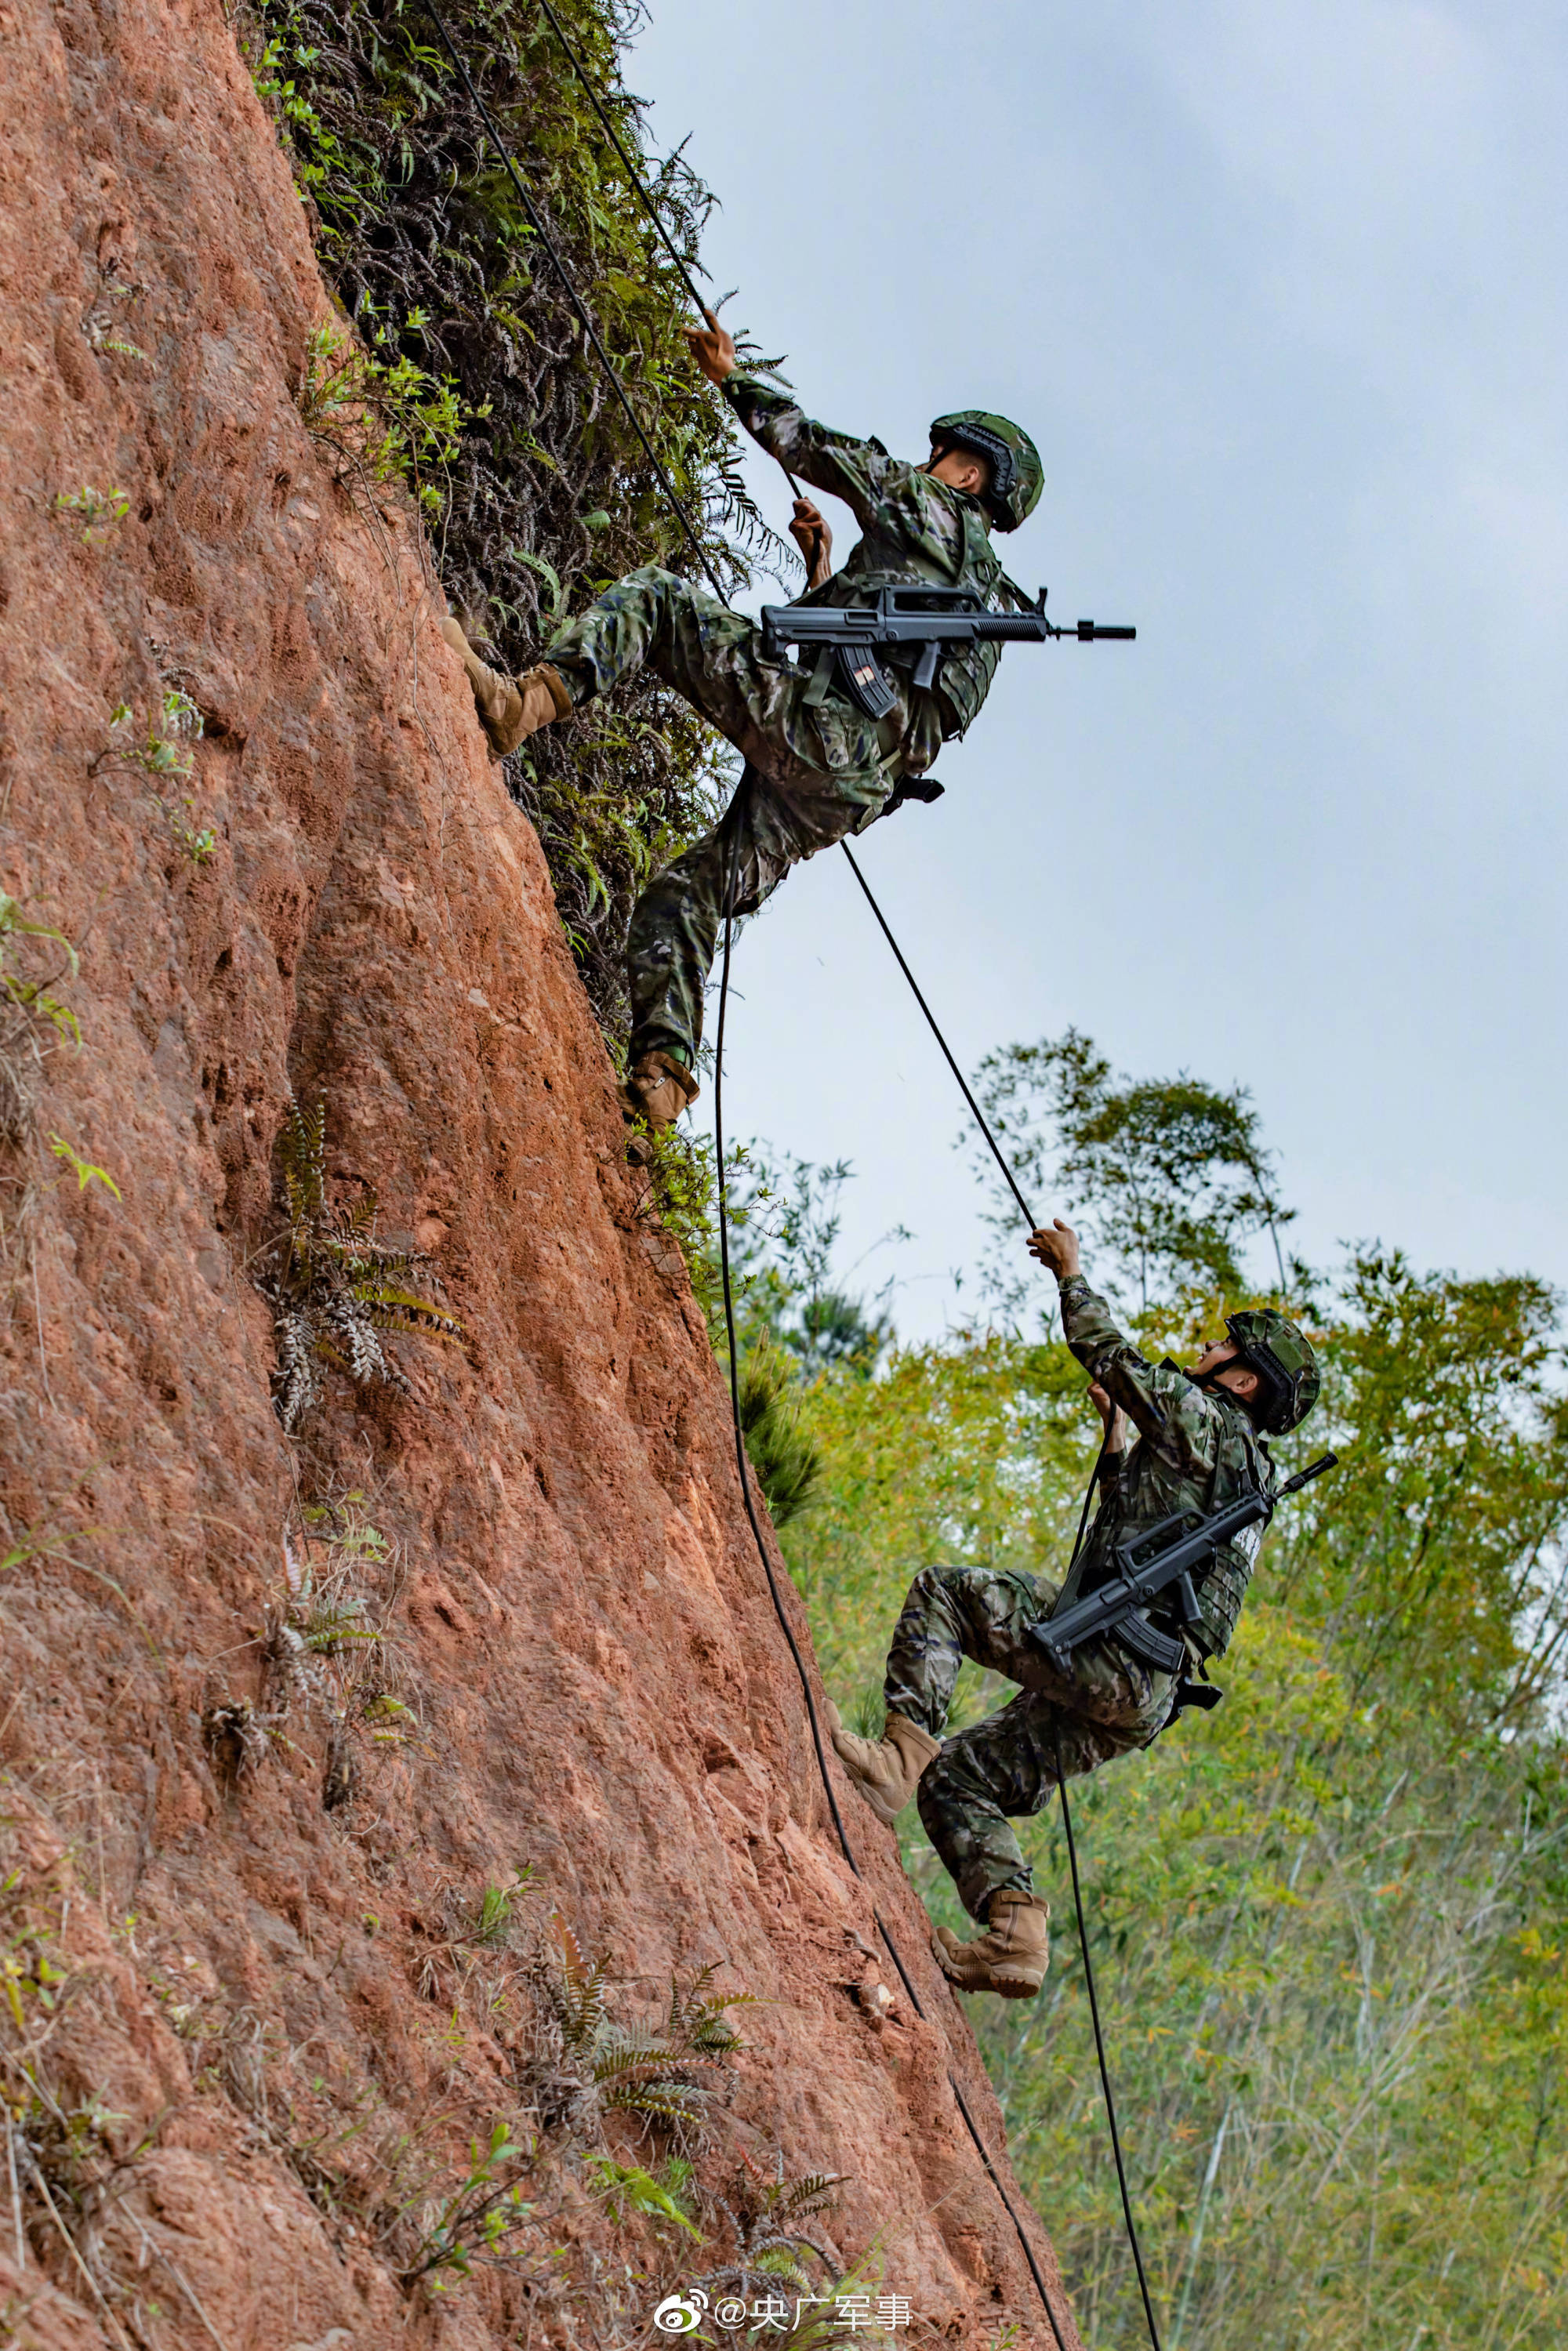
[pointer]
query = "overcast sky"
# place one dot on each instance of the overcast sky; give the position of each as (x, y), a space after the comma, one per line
(1278, 290)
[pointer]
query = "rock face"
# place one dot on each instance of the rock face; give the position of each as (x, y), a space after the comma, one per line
(256, 2009)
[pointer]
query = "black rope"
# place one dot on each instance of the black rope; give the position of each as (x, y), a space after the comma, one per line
(977, 1114)
(733, 819)
(575, 298)
(644, 192)
(1100, 2040)
(980, 2147)
(1077, 1546)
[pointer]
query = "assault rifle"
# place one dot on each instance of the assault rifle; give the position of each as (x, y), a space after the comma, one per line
(852, 637)
(1148, 1565)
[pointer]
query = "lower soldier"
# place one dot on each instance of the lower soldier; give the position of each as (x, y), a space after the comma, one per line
(1199, 1446)
(818, 767)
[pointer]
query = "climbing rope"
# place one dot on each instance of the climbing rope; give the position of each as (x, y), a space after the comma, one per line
(977, 1115)
(1077, 1546)
(579, 307)
(743, 1468)
(644, 195)
(1100, 2042)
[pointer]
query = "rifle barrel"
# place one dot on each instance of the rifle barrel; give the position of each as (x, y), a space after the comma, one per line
(1305, 1476)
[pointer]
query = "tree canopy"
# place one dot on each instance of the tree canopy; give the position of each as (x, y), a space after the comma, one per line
(1327, 1919)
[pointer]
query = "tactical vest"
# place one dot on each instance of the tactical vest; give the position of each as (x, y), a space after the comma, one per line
(1243, 1467)
(1224, 1587)
(964, 672)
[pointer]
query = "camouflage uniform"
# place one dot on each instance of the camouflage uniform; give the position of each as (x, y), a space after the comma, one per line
(1195, 1450)
(821, 768)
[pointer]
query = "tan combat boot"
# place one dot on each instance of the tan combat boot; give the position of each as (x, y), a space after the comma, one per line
(659, 1088)
(510, 708)
(1012, 1955)
(887, 1769)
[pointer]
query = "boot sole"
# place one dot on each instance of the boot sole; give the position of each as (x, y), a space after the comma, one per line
(1005, 1987)
(888, 1818)
(1023, 1986)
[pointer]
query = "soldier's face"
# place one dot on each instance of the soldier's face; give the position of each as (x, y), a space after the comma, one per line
(1220, 1356)
(961, 470)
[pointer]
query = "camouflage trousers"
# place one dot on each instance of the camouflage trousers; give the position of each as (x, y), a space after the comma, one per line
(818, 772)
(1005, 1767)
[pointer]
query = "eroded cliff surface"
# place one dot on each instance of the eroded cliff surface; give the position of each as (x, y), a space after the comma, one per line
(258, 2007)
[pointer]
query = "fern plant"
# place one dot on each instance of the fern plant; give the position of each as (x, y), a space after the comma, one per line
(333, 1288)
(587, 2064)
(767, 2214)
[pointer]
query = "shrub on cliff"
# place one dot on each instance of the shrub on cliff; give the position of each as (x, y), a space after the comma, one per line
(542, 492)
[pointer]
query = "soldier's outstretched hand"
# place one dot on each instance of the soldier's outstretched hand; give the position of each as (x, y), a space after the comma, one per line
(1056, 1246)
(712, 346)
(812, 535)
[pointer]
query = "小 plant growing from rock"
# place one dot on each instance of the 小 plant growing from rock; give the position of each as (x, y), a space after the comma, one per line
(163, 751)
(99, 512)
(378, 420)
(772, 2242)
(34, 1021)
(333, 1288)
(586, 2065)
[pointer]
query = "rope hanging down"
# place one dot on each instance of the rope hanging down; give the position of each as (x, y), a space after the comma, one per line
(581, 308)
(997, 1155)
(644, 195)
(574, 297)
(743, 1468)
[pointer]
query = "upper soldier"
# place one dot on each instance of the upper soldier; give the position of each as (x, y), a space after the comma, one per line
(1200, 1444)
(823, 768)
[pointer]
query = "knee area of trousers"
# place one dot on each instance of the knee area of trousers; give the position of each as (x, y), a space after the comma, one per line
(928, 1585)
(653, 575)
(942, 1784)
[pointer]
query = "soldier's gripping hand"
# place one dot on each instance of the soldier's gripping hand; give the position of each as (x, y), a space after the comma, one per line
(1056, 1246)
(811, 534)
(712, 346)
(1113, 1419)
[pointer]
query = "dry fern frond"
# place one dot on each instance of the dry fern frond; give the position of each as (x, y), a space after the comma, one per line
(333, 1288)
(586, 2063)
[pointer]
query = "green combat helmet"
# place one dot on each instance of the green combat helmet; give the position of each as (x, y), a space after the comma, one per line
(1270, 1344)
(1018, 476)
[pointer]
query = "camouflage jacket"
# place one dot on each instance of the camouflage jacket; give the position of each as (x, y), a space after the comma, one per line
(1195, 1449)
(915, 529)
